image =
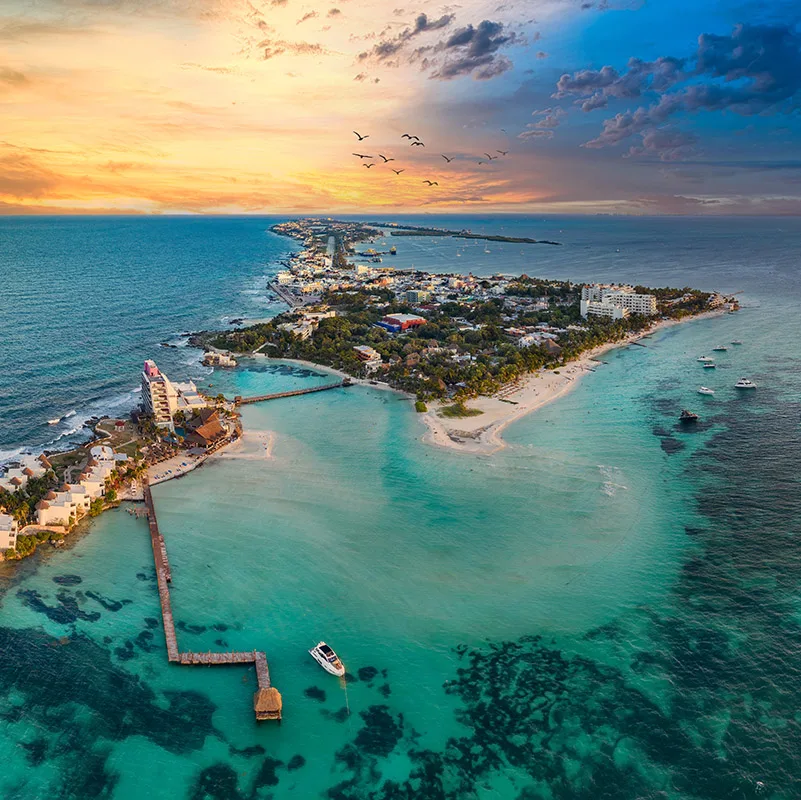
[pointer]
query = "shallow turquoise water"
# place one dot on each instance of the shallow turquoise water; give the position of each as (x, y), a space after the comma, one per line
(660, 568)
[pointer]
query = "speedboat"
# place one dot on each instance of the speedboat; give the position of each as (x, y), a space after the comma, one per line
(704, 359)
(736, 341)
(688, 416)
(745, 383)
(54, 421)
(327, 659)
(721, 348)
(705, 390)
(709, 365)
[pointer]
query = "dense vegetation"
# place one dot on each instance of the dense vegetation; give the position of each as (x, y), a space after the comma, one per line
(21, 504)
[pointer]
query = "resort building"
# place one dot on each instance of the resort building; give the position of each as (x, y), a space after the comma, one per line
(8, 532)
(369, 355)
(620, 296)
(27, 467)
(189, 399)
(159, 396)
(416, 296)
(205, 429)
(592, 308)
(212, 359)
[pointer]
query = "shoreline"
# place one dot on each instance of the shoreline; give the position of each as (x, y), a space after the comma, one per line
(480, 435)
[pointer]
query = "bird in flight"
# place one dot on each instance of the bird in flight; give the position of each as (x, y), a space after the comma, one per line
(368, 165)
(446, 158)
(360, 137)
(481, 162)
(409, 136)
(503, 152)
(489, 156)
(417, 144)
(431, 183)
(398, 171)
(360, 155)
(386, 160)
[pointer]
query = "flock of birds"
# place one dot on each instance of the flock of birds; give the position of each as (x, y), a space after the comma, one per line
(414, 141)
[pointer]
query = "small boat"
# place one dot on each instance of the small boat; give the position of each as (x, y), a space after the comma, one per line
(54, 421)
(721, 348)
(736, 341)
(327, 659)
(703, 359)
(745, 383)
(709, 365)
(688, 416)
(705, 390)
(393, 250)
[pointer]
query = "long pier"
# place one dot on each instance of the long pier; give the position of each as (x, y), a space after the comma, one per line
(267, 702)
(243, 401)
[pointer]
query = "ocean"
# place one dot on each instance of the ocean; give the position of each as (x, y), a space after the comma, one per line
(607, 608)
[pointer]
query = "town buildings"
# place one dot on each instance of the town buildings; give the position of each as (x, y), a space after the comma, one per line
(159, 396)
(8, 532)
(370, 356)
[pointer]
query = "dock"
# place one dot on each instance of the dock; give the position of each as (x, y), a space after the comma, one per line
(243, 401)
(267, 703)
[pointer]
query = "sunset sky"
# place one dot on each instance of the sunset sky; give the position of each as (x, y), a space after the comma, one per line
(230, 106)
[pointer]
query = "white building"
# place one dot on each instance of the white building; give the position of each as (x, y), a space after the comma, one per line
(8, 532)
(17, 476)
(159, 396)
(189, 399)
(621, 296)
(592, 308)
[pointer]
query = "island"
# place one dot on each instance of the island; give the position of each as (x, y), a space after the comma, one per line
(473, 352)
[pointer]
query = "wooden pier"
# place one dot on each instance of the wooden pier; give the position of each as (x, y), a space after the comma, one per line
(267, 700)
(243, 401)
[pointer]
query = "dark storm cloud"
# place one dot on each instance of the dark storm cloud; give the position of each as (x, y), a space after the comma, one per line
(475, 50)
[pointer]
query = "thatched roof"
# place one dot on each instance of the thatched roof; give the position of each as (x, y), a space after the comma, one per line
(267, 703)
(45, 461)
(51, 495)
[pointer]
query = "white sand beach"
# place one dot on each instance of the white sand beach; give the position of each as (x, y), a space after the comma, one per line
(480, 435)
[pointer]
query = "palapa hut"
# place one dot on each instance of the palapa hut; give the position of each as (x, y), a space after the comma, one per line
(267, 703)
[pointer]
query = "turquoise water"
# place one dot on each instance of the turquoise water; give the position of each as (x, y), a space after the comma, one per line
(607, 608)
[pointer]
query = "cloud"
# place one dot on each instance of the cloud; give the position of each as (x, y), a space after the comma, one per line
(756, 69)
(10, 77)
(272, 49)
(599, 86)
(387, 48)
(475, 50)
(551, 119)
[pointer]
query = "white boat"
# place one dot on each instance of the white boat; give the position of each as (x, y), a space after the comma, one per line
(704, 359)
(705, 390)
(721, 348)
(709, 365)
(327, 659)
(745, 383)
(736, 341)
(54, 421)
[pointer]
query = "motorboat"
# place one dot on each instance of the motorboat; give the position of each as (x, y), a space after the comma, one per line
(705, 390)
(721, 348)
(327, 659)
(54, 421)
(736, 341)
(709, 365)
(745, 383)
(688, 416)
(704, 359)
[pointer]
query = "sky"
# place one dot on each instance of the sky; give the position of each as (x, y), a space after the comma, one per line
(529, 106)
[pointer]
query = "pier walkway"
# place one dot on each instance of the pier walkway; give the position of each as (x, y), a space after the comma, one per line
(243, 401)
(267, 700)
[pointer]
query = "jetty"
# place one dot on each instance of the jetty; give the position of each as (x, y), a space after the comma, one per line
(243, 401)
(267, 703)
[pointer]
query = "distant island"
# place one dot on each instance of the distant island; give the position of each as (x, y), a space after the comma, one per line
(414, 230)
(445, 338)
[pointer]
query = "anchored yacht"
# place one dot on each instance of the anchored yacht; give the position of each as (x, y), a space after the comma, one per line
(705, 390)
(745, 383)
(327, 659)
(704, 359)
(721, 348)
(688, 416)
